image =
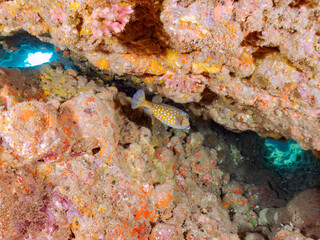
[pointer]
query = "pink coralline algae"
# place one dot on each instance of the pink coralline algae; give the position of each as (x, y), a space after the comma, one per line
(117, 179)
(182, 83)
(91, 168)
(189, 31)
(106, 21)
(58, 14)
(166, 231)
(223, 11)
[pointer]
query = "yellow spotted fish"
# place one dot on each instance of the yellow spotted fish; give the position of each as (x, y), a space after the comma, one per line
(168, 115)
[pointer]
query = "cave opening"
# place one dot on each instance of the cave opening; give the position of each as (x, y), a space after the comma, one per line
(299, 169)
(23, 50)
(249, 158)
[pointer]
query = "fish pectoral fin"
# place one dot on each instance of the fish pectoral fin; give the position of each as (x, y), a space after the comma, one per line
(179, 120)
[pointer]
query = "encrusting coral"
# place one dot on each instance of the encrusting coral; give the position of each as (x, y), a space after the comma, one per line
(96, 187)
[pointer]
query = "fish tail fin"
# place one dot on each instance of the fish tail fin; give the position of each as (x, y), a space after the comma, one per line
(139, 99)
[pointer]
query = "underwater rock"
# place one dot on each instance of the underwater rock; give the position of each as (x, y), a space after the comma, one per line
(193, 141)
(164, 231)
(105, 201)
(163, 197)
(109, 173)
(29, 208)
(31, 131)
(313, 232)
(302, 213)
(245, 222)
(236, 202)
(254, 236)
(258, 61)
(203, 165)
(304, 209)
(89, 120)
(288, 233)
(11, 81)
(273, 216)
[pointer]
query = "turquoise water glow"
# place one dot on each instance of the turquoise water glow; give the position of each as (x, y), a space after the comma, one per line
(288, 157)
(26, 56)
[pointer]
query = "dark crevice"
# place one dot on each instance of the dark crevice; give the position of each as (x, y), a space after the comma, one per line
(126, 145)
(208, 97)
(96, 150)
(252, 39)
(145, 30)
(262, 51)
(242, 235)
(79, 23)
(231, 214)
(72, 235)
(298, 3)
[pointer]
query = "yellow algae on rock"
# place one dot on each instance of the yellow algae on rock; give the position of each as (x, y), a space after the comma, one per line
(192, 20)
(58, 82)
(172, 58)
(129, 63)
(202, 67)
(75, 5)
(103, 64)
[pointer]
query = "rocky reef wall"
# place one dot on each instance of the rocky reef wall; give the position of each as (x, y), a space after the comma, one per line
(248, 65)
(76, 162)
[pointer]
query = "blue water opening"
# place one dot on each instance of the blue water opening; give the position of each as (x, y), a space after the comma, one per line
(288, 157)
(26, 57)
(23, 50)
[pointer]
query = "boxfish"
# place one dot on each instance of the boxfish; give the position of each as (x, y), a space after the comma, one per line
(168, 115)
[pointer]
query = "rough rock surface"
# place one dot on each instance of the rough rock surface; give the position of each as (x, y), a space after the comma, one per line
(30, 208)
(108, 177)
(77, 163)
(117, 174)
(248, 65)
(304, 209)
(31, 131)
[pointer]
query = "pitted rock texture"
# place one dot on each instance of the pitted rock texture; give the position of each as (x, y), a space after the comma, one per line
(248, 65)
